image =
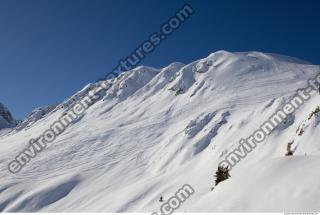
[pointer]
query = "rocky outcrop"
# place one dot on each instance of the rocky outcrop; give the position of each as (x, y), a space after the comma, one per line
(6, 119)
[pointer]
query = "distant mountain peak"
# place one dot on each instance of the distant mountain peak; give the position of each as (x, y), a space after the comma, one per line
(6, 119)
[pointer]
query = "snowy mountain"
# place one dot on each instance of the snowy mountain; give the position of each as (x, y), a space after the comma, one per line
(155, 130)
(6, 119)
(34, 116)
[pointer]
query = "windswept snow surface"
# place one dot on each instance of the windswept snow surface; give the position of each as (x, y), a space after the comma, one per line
(158, 129)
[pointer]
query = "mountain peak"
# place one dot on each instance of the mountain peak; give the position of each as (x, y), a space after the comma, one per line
(6, 119)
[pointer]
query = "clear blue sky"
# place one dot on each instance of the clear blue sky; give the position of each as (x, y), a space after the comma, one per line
(49, 49)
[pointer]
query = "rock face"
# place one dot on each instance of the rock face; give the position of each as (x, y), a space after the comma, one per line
(6, 119)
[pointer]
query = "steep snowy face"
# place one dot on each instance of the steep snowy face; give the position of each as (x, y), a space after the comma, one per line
(155, 130)
(6, 119)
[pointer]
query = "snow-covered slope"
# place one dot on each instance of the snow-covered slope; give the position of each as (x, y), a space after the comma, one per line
(157, 129)
(34, 116)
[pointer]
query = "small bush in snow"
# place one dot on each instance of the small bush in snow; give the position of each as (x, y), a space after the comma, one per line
(221, 174)
(289, 150)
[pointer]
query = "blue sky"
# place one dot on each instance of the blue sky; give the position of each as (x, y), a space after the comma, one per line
(50, 49)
